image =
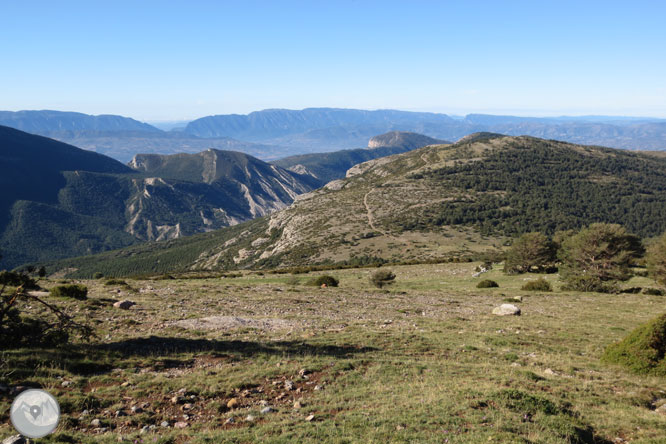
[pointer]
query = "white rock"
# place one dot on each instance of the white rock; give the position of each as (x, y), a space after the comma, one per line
(506, 310)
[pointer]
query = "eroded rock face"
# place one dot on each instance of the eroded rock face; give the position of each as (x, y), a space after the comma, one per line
(506, 310)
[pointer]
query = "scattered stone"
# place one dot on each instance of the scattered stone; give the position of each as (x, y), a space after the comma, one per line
(85, 413)
(16, 439)
(267, 409)
(661, 409)
(136, 409)
(232, 404)
(506, 310)
(120, 413)
(302, 372)
(164, 424)
(400, 427)
(298, 405)
(289, 385)
(309, 418)
(176, 400)
(249, 418)
(66, 383)
(517, 298)
(124, 304)
(263, 403)
(230, 420)
(550, 372)
(180, 425)
(95, 423)
(187, 406)
(318, 387)
(144, 429)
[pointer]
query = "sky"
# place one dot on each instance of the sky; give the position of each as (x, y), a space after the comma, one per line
(167, 60)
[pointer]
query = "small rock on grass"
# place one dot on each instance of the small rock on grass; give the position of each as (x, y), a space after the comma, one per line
(233, 403)
(180, 425)
(267, 409)
(249, 418)
(310, 418)
(506, 310)
(125, 304)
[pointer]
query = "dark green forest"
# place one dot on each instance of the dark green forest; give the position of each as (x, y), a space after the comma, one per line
(543, 186)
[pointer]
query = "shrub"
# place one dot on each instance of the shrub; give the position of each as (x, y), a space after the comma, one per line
(380, 278)
(643, 350)
(531, 252)
(115, 282)
(75, 291)
(327, 280)
(487, 283)
(19, 327)
(98, 275)
(653, 292)
(538, 285)
(598, 256)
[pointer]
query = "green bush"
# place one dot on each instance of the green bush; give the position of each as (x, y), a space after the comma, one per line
(643, 350)
(380, 278)
(653, 292)
(487, 283)
(98, 275)
(115, 282)
(538, 285)
(327, 280)
(75, 291)
(588, 284)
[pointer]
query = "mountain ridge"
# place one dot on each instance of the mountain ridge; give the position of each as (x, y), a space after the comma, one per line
(61, 201)
(439, 202)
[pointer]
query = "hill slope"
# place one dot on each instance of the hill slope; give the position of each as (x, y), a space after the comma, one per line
(334, 165)
(61, 201)
(434, 202)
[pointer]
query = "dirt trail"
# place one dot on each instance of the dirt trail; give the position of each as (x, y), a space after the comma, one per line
(371, 220)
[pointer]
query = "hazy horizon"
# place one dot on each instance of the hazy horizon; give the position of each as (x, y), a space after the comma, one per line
(454, 114)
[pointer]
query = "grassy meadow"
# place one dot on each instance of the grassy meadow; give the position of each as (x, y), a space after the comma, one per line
(420, 361)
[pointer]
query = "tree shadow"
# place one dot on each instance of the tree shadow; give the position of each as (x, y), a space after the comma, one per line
(164, 346)
(24, 364)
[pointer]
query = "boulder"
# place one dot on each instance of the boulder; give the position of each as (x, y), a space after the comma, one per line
(124, 304)
(506, 310)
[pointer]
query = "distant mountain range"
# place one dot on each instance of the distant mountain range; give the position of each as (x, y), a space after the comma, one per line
(334, 165)
(278, 133)
(436, 202)
(59, 200)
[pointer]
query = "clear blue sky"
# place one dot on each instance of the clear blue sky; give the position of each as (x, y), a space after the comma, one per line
(161, 60)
